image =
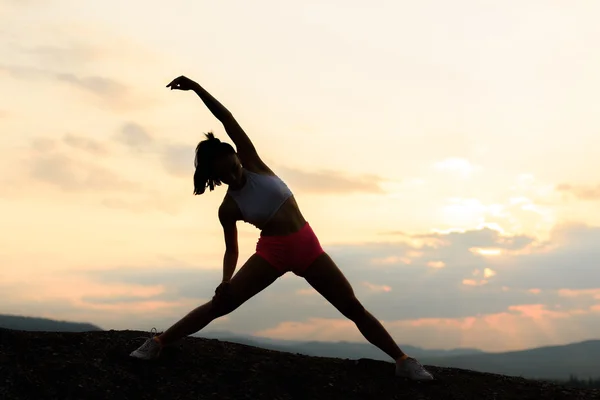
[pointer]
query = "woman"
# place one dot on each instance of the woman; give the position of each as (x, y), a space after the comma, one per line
(287, 243)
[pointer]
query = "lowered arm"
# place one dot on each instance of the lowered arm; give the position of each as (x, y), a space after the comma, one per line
(230, 258)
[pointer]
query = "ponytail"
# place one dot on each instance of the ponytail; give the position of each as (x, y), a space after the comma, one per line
(206, 152)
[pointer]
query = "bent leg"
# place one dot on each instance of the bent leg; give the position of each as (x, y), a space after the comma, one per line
(327, 279)
(253, 277)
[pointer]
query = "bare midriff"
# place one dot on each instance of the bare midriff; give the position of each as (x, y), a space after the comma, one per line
(287, 220)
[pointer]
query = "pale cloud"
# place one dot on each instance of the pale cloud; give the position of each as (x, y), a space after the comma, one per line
(540, 311)
(70, 175)
(324, 329)
(460, 167)
(330, 182)
(134, 136)
(488, 273)
(390, 260)
(85, 143)
(76, 164)
(580, 192)
(149, 200)
(22, 71)
(76, 45)
(516, 213)
(486, 252)
(483, 238)
(99, 85)
(178, 159)
(436, 264)
(595, 293)
(377, 288)
(66, 54)
(106, 91)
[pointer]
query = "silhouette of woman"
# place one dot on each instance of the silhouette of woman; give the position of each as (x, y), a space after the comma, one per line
(256, 195)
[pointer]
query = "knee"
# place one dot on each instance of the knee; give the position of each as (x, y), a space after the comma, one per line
(353, 309)
(223, 305)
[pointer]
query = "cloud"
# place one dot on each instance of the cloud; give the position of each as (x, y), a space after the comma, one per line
(468, 284)
(76, 163)
(594, 293)
(134, 136)
(73, 163)
(436, 264)
(377, 288)
(111, 93)
(581, 192)
(87, 144)
(66, 54)
(460, 167)
(178, 280)
(23, 71)
(178, 160)
(72, 175)
(474, 295)
(143, 202)
(477, 238)
(330, 182)
(101, 86)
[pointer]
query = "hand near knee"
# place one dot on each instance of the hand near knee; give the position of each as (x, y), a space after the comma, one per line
(221, 293)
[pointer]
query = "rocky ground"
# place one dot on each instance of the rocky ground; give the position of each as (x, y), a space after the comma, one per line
(96, 365)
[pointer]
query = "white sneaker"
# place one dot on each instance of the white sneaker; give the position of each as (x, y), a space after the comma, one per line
(150, 349)
(412, 369)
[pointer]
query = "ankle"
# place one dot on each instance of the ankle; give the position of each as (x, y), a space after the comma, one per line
(401, 358)
(158, 340)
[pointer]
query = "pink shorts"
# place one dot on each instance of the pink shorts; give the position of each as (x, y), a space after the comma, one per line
(294, 252)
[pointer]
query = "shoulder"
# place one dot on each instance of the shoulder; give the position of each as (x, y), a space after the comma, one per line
(258, 167)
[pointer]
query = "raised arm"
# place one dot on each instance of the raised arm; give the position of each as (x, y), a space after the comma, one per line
(244, 146)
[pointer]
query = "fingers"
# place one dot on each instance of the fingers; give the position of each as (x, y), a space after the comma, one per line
(175, 82)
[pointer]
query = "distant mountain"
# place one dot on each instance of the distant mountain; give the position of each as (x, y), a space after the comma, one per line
(549, 362)
(341, 349)
(23, 323)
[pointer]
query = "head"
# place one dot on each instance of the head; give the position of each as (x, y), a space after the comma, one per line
(216, 162)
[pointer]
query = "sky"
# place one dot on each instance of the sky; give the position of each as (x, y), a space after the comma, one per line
(446, 155)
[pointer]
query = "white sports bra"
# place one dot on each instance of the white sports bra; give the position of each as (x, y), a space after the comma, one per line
(260, 197)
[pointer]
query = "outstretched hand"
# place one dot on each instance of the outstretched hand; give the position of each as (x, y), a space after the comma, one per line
(182, 83)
